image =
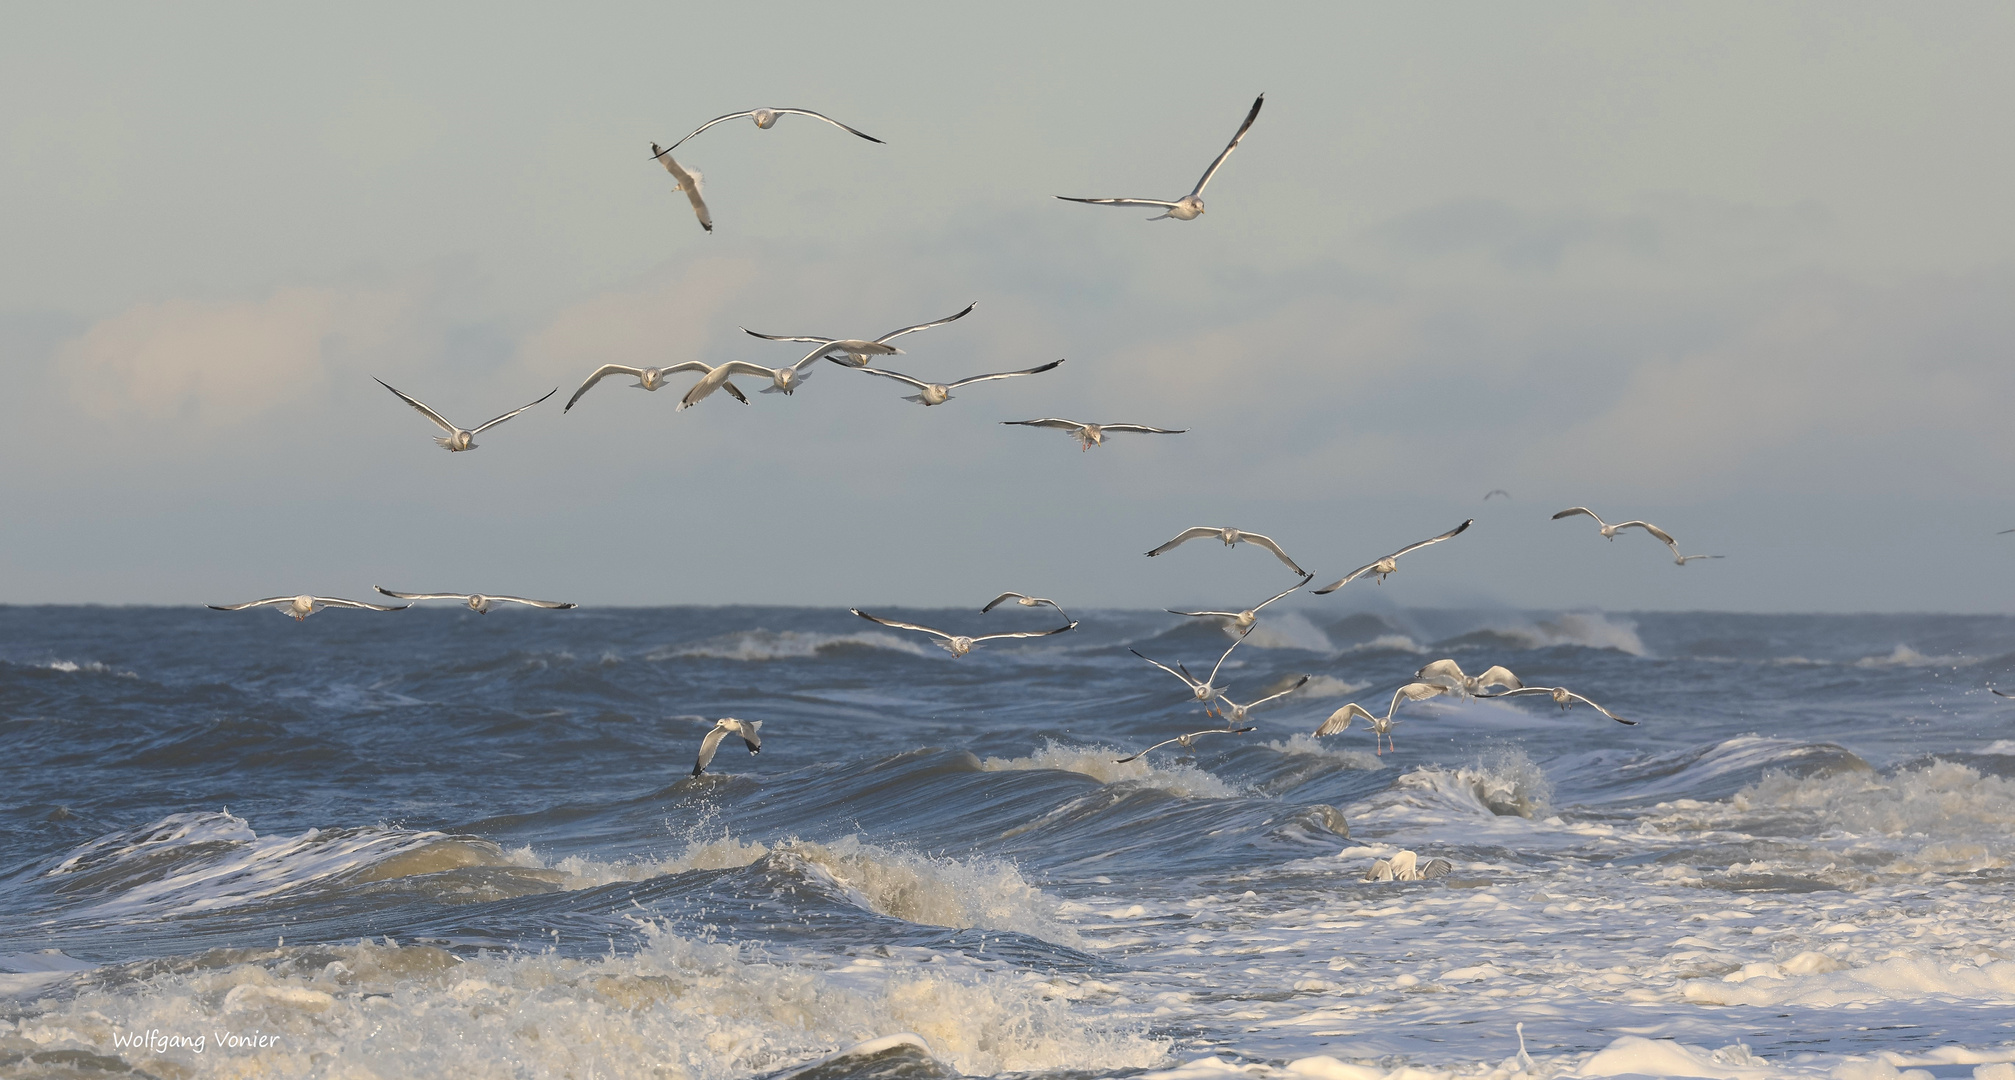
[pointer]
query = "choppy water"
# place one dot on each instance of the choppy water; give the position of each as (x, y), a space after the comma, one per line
(442, 844)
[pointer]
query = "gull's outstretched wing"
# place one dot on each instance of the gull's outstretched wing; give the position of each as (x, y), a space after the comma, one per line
(331, 601)
(600, 373)
(743, 367)
(1347, 579)
(1027, 601)
(1067, 425)
(1187, 679)
(1497, 675)
(1305, 577)
(1072, 625)
(1524, 691)
(893, 334)
(1267, 542)
(1684, 559)
(1600, 709)
(425, 595)
(1418, 691)
(1661, 534)
(1121, 202)
(1990, 689)
(1495, 491)
(1457, 531)
(820, 116)
(1227, 653)
(750, 732)
(905, 625)
(995, 602)
(1298, 683)
(1195, 614)
(1229, 147)
(1341, 718)
(1002, 375)
(896, 375)
(1149, 750)
(778, 337)
(1185, 740)
(514, 412)
(1183, 537)
(688, 181)
(1573, 510)
(851, 347)
(280, 600)
(553, 604)
(1446, 672)
(1142, 428)
(424, 410)
(708, 744)
(705, 126)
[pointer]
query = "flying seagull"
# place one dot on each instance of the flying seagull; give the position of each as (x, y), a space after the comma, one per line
(960, 644)
(1609, 532)
(1563, 697)
(650, 378)
(939, 393)
(1380, 725)
(1188, 741)
(1390, 563)
(1205, 690)
(1230, 536)
(1190, 205)
(1093, 434)
(1241, 621)
(1024, 600)
(725, 726)
(478, 602)
(716, 378)
(1449, 673)
(688, 181)
(1236, 714)
(458, 439)
(300, 607)
(767, 119)
(783, 380)
(1495, 491)
(857, 351)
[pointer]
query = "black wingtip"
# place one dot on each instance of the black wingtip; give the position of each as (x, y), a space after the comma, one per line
(698, 769)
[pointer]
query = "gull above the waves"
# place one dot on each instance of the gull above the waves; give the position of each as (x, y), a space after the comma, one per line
(1230, 536)
(650, 378)
(767, 119)
(725, 726)
(939, 393)
(1242, 621)
(1495, 491)
(458, 439)
(1390, 563)
(1205, 690)
(1561, 696)
(1449, 673)
(688, 181)
(856, 351)
(1024, 600)
(300, 607)
(1188, 741)
(1093, 434)
(478, 602)
(1190, 205)
(1236, 714)
(1609, 532)
(960, 644)
(1339, 720)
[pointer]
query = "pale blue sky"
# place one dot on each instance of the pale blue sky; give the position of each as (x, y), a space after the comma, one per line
(1742, 271)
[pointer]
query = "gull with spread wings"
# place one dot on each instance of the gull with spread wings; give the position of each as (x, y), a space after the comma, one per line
(1230, 536)
(650, 378)
(1205, 690)
(767, 119)
(1092, 434)
(300, 607)
(725, 726)
(1241, 621)
(1609, 532)
(1188, 741)
(1024, 600)
(1562, 697)
(716, 378)
(856, 350)
(960, 644)
(1450, 674)
(688, 181)
(1190, 205)
(939, 393)
(478, 602)
(458, 439)
(1380, 725)
(1390, 563)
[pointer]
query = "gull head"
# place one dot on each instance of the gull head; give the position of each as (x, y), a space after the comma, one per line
(479, 603)
(1560, 697)
(935, 394)
(301, 607)
(764, 118)
(958, 646)
(651, 379)
(459, 441)
(1090, 435)
(1383, 567)
(1188, 208)
(1229, 535)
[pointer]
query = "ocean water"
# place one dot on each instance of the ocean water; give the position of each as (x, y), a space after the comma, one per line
(434, 843)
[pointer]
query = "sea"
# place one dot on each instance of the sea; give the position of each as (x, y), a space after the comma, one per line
(434, 843)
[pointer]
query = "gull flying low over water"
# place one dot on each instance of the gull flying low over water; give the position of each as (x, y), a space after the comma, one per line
(1241, 621)
(1188, 741)
(939, 393)
(1496, 491)
(1235, 714)
(1205, 690)
(1561, 696)
(458, 439)
(725, 726)
(688, 181)
(1339, 720)
(1230, 536)
(1609, 532)
(1449, 673)
(650, 378)
(767, 119)
(1024, 600)
(300, 607)
(1093, 434)
(960, 644)
(1190, 205)
(1390, 563)
(478, 602)
(857, 351)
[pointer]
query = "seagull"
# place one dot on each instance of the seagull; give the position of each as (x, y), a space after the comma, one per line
(1390, 563)
(1380, 725)
(1404, 866)
(1449, 673)
(939, 393)
(784, 380)
(1187, 741)
(650, 378)
(1241, 621)
(1205, 689)
(458, 439)
(725, 726)
(1190, 205)
(1563, 697)
(1093, 434)
(300, 607)
(856, 350)
(1230, 536)
(1024, 600)
(478, 602)
(1237, 713)
(1609, 532)
(959, 644)
(688, 181)
(767, 119)
(1495, 491)
(716, 378)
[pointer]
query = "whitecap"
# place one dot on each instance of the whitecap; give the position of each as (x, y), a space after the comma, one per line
(1098, 762)
(1905, 656)
(754, 646)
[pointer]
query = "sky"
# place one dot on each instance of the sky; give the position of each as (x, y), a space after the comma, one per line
(1743, 271)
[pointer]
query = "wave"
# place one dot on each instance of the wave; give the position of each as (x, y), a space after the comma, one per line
(1321, 686)
(1292, 630)
(1310, 746)
(1587, 629)
(1905, 656)
(88, 667)
(759, 645)
(1818, 980)
(1098, 763)
(1966, 813)
(1388, 643)
(1503, 783)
